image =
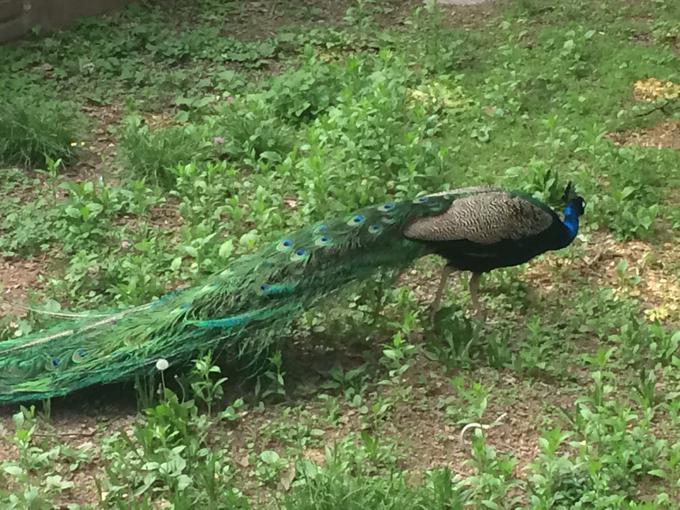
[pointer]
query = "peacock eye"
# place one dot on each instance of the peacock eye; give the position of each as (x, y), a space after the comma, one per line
(79, 355)
(299, 255)
(284, 245)
(323, 241)
(356, 220)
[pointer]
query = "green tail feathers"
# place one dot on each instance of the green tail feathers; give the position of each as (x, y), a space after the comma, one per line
(252, 299)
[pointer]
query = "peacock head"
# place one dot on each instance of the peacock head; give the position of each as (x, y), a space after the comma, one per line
(573, 210)
(576, 206)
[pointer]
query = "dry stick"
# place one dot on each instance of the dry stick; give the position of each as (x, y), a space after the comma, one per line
(597, 256)
(482, 426)
(65, 434)
(65, 315)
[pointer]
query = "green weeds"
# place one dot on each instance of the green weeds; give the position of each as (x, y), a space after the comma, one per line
(37, 128)
(227, 142)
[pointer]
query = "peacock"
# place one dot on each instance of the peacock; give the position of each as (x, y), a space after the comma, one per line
(249, 304)
(487, 228)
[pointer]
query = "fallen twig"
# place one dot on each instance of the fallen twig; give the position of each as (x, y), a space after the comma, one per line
(482, 426)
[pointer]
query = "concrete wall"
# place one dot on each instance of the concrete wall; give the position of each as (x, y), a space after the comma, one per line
(17, 17)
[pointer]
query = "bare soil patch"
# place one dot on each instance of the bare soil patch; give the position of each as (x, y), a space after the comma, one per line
(99, 148)
(469, 13)
(17, 278)
(665, 135)
(654, 265)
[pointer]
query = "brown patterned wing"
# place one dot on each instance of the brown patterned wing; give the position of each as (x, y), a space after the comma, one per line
(466, 191)
(484, 218)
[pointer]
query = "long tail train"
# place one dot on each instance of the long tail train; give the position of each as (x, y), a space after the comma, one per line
(249, 301)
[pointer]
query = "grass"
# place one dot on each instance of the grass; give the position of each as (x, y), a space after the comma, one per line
(214, 128)
(36, 130)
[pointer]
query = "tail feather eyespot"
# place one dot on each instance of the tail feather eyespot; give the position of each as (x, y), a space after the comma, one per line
(53, 363)
(285, 245)
(299, 255)
(357, 220)
(79, 355)
(323, 240)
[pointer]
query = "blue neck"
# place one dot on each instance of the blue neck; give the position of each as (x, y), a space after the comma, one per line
(571, 221)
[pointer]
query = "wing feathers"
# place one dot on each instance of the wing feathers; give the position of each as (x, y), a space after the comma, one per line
(485, 218)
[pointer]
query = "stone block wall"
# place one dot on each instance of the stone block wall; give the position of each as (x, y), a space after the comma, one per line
(18, 17)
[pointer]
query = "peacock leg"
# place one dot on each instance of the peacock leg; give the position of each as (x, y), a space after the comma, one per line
(474, 294)
(446, 271)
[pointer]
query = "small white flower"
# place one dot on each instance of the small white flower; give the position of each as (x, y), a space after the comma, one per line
(162, 364)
